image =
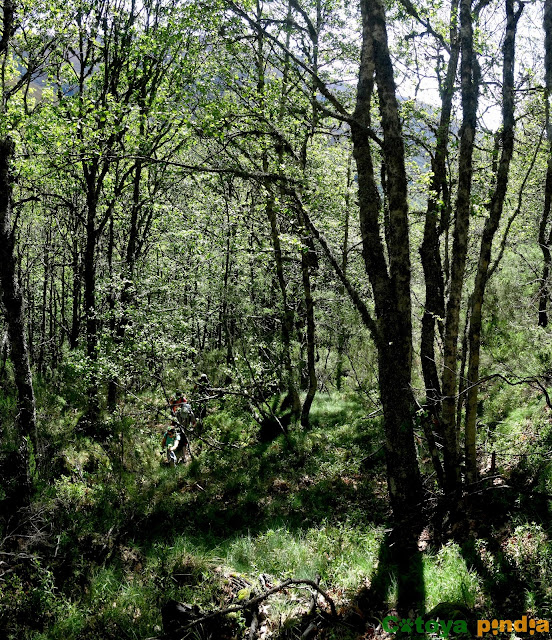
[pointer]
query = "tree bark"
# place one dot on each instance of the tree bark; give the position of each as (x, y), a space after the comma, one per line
(15, 319)
(11, 289)
(430, 252)
(293, 399)
(287, 314)
(491, 225)
(342, 335)
(40, 363)
(391, 287)
(307, 257)
(93, 410)
(545, 240)
(470, 90)
(76, 294)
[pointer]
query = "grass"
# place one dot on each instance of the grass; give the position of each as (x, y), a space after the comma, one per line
(241, 510)
(341, 555)
(447, 578)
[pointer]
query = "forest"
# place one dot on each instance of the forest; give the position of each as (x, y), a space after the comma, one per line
(275, 337)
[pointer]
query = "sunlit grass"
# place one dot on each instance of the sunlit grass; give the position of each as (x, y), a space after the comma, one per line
(69, 623)
(448, 579)
(343, 555)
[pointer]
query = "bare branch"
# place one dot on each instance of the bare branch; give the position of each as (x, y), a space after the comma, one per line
(412, 11)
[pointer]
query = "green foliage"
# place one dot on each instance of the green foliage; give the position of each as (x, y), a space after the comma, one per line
(96, 497)
(28, 598)
(131, 534)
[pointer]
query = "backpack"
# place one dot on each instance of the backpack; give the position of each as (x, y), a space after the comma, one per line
(185, 415)
(183, 441)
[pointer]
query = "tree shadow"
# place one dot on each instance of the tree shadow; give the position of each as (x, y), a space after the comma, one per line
(504, 535)
(270, 485)
(507, 562)
(399, 576)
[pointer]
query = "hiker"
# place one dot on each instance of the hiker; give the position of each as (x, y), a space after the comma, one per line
(170, 445)
(183, 418)
(181, 411)
(201, 390)
(177, 402)
(202, 385)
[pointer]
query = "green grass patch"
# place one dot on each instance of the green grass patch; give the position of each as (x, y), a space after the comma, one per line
(342, 555)
(448, 579)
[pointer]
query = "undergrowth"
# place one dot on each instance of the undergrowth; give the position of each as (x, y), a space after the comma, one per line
(124, 534)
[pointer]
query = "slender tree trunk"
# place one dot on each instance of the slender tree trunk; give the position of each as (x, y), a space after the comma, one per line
(342, 334)
(224, 322)
(90, 311)
(430, 251)
(287, 317)
(76, 297)
(462, 383)
(54, 323)
(120, 324)
(28, 293)
(391, 289)
(307, 258)
(112, 386)
(287, 314)
(491, 225)
(545, 240)
(15, 319)
(44, 306)
(470, 89)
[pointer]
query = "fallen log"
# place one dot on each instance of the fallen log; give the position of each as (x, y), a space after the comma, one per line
(180, 618)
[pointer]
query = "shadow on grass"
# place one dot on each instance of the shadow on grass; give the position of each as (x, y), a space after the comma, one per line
(505, 536)
(277, 485)
(507, 546)
(399, 577)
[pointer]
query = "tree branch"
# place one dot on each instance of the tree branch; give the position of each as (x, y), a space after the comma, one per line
(341, 112)
(412, 11)
(253, 602)
(351, 290)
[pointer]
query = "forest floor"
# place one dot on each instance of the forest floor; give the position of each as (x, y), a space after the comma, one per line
(115, 538)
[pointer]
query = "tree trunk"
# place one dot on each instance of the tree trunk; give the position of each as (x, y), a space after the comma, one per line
(393, 328)
(112, 386)
(287, 314)
(470, 88)
(342, 335)
(90, 311)
(76, 295)
(41, 366)
(225, 310)
(491, 225)
(307, 257)
(430, 252)
(545, 240)
(15, 320)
